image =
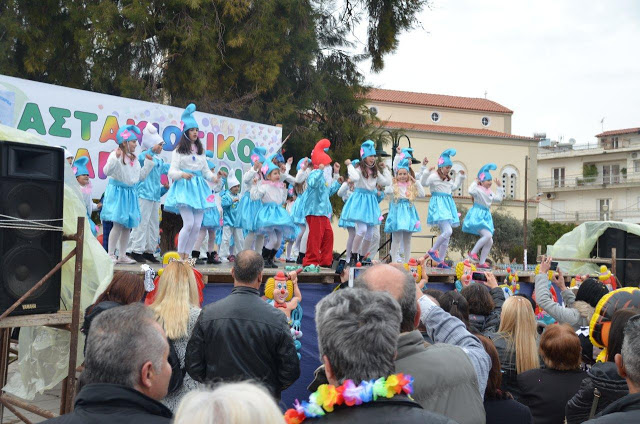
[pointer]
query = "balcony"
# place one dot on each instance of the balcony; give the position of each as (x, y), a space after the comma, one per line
(624, 215)
(578, 182)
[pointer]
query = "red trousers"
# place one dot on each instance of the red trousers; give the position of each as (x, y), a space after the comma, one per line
(320, 242)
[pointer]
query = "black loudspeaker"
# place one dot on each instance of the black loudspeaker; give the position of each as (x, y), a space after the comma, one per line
(31, 188)
(627, 247)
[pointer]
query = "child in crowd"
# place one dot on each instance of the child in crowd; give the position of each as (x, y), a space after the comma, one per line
(144, 238)
(362, 208)
(248, 207)
(120, 199)
(478, 220)
(442, 209)
(229, 200)
(212, 220)
(272, 219)
(403, 220)
(82, 176)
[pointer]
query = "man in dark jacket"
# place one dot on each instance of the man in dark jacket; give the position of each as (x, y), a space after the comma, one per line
(627, 409)
(357, 338)
(242, 336)
(126, 371)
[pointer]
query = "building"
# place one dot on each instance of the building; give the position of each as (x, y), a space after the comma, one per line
(480, 131)
(591, 182)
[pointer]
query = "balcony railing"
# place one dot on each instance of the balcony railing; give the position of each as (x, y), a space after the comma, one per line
(579, 216)
(572, 181)
(622, 144)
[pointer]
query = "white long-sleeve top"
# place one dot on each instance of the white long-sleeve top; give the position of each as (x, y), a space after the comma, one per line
(368, 183)
(216, 187)
(437, 185)
(269, 192)
(190, 162)
(484, 196)
(247, 180)
(402, 191)
(343, 192)
(128, 172)
(302, 175)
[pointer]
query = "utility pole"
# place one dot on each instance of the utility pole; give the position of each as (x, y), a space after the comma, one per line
(526, 206)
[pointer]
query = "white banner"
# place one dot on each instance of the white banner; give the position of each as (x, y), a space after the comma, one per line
(86, 123)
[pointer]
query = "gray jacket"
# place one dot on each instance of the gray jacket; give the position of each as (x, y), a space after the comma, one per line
(444, 378)
(575, 313)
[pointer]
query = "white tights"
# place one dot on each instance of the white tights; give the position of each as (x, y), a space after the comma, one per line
(400, 238)
(275, 239)
(252, 238)
(211, 242)
(442, 242)
(191, 222)
(302, 239)
(352, 234)
(483, 245)
(362, 239)
(119, 238)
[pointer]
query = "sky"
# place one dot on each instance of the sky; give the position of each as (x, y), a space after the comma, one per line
(560, 65)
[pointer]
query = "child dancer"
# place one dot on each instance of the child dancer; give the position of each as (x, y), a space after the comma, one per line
(403, 219)
(290, 240)
(345, 191)
(82, 176)
(442, 209)
(248, 207)
(272, 219)
(189, 192)
(144, 238)
(120, 204)
(362, 208)
(229, 201)
(297, 212)
(478, 220)
(212, 219)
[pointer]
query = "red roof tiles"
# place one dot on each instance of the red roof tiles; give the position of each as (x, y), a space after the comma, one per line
(453, 130)
(436, 100)
(619, 132)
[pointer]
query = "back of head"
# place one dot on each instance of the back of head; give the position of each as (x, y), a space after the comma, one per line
(232, 403)
(177, 293)
(616, 331)
(518, 325)
(358, 332)
(434, 293)
(631, 350)
(457, 306)
(591, 291)
(120, 342)
(247, 267)
(479, 299)
(125, 288)
(494, 382)
(560, 348)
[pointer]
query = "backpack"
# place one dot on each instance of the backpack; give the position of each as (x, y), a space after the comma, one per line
(177, 372)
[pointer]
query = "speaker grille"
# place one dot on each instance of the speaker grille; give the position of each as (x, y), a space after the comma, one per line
(32, 202)
(23, 267)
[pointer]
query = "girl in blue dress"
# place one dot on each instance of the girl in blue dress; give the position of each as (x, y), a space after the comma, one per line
(442, 209)
(344, 192)
(362, 208)
(478, 220)
(189, 193)
(248, 208)
(297, 211)
(402, 219)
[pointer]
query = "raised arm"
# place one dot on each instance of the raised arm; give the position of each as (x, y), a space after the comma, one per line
(111, 165)
(343, 190)
(354, 174)
(420, 189)
(384, 177)
(258, 191)
(458, 181)
(545, 300)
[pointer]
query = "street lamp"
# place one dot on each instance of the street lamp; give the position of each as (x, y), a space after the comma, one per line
(395, 143)
(380, 150)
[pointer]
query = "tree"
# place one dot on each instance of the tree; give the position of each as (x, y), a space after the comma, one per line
(544, 233)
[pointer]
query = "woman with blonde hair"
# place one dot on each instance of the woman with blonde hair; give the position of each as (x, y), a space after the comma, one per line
(176, 308)
(232, 403)
(516, 342)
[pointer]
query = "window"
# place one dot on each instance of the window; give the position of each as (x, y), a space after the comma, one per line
(610, 174)
(604, 209)
(510, 181)
(485, 121)
(558, 177)
(614, 142)
(455, 170)
(373, 110)
(435, 116)
(636, 166)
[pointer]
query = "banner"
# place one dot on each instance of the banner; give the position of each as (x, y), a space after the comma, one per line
(86, 123)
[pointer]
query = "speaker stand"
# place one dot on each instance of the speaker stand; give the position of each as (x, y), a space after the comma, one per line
(66, 320)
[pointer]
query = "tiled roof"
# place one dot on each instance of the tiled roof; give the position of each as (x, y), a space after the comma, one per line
(436, 100)
(453, 130)
(619, 132)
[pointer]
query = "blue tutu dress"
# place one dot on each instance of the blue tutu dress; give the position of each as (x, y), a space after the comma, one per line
(271, 215)
(193, 193)
(442, 208)
(120, 204)
(247, 212)
(297, 213)
(402, 216)
(211, 219)
(478, 218)
(362, 206)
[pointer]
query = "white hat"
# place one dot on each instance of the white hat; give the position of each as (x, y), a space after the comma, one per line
(232, 181)
(68, 154)
(150, 137)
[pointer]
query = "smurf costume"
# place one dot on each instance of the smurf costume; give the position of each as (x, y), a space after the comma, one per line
(213, 216)
(80, 168)
(249, 208)
(478, 220)
(230, 218)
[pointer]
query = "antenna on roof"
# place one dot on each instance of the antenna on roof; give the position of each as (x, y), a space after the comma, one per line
(602, 123)
(485, 94)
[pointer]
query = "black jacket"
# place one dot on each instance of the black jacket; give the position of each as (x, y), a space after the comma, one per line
(546, 392)
(485, 324)
(623, 411)
(506, 411)
(111, 403)
(243, 337)
(604, 378)
(95, 311)
(397, 410)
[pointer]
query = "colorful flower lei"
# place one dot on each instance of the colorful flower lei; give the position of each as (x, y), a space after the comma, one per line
(327, 396)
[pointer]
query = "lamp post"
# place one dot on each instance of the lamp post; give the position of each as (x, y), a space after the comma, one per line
(395, 143)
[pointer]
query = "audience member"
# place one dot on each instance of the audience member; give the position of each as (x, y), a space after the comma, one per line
(357, 338)
(435, 294)
(626, 409)
(456, 305)
(126, 371)
(578, 308)
(516, 342)
(546, 390)
(500, 407)
(485, 304)
(603, 378)
(438, 386)
(229, 403)
(242, 337)
(177, 307)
